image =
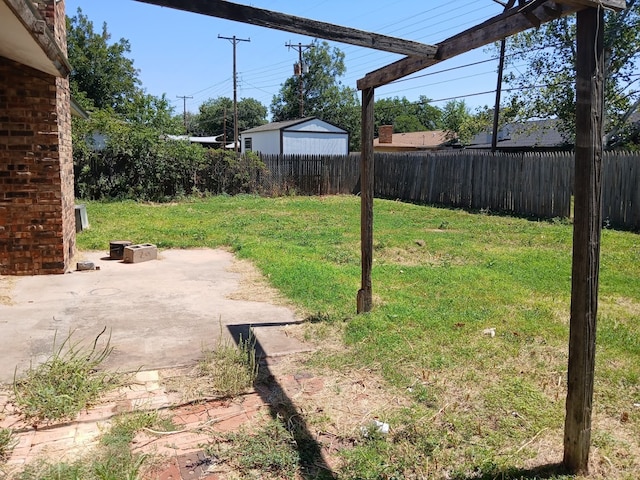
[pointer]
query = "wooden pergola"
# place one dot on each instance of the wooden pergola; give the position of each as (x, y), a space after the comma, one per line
(517, 17)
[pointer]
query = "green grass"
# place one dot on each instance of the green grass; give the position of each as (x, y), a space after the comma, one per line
(269, 452)
(66, 383)
(7, 443)
(113, 460)
(440, 278)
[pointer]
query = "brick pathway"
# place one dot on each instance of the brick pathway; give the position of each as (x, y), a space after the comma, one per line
(182, 448)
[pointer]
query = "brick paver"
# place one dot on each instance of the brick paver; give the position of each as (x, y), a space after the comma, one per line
(194, 425)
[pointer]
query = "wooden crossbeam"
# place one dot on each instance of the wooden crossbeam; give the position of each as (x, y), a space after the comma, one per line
(508, 23)
(610, 4)
(304, 26)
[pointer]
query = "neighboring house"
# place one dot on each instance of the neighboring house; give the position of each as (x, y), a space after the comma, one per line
(535, 135)
(411, 142)
(306, 136)
(37, 205)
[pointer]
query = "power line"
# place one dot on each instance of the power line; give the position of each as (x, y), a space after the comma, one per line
(184, 110)
(235, 40)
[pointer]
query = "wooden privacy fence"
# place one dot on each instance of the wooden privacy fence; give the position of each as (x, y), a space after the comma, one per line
(532, 184)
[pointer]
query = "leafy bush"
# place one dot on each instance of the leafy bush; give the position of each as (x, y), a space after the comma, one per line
(117, 159)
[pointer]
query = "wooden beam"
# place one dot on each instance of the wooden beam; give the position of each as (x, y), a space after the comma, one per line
(304, 26)
(365, 295)
(508, 23)
(587, 226)
(612, 4)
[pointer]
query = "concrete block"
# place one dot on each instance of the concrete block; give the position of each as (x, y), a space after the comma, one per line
(140, 253)
(83, 266)
(116, 249)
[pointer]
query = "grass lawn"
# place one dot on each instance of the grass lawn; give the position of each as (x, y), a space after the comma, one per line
(478, 405)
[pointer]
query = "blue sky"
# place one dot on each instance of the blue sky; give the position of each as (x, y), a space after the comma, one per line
(179, 53)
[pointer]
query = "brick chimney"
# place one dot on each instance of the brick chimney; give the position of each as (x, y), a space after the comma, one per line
(385, 134)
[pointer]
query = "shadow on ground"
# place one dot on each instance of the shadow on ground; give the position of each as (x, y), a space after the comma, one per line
(312, 463)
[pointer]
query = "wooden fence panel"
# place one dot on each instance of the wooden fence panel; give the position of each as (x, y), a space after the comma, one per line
(531, 184)
(621, 189)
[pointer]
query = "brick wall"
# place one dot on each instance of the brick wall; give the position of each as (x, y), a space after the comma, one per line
(37, 220)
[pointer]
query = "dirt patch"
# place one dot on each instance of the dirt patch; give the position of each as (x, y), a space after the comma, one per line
(253, 285)
(6, 287)
(415, 255)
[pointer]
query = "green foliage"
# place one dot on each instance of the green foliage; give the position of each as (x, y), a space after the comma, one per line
(226, 172)
(550, 55)
(65, 384)
(101, 71)
(406, 116)
(324, 95)
(458, 120)
(7, 443)
(216, 114)
(271, 450)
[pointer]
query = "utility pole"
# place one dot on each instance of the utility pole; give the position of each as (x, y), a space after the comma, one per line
(299, 71)
(234, 41)
(496, 108)
(184, 110)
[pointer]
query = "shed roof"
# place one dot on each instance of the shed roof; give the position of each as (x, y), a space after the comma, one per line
(276, 126)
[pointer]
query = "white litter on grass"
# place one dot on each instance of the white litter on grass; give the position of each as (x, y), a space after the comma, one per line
(375, 426)
(490, 332)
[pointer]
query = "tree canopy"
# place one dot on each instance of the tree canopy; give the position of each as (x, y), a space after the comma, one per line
(407, 116)
(101, 71)
(547, 84)
(324, 95)
(215, 116)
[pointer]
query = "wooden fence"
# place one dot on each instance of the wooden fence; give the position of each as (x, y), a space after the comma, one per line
(531, 184)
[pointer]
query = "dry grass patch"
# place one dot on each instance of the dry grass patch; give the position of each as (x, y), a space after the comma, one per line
(253, 285)
(415, 256)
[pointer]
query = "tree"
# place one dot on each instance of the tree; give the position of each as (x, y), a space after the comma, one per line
(406, 116)
(216, 114)
(324, 96)
(547, 85)
(102, 76)
(457, 120)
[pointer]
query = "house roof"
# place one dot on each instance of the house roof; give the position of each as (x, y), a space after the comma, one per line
(25, 38)
(531, 134)
(203, 140)
(276, 126)
(416, 140)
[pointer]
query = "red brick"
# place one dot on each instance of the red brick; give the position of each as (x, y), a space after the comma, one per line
(36, 164)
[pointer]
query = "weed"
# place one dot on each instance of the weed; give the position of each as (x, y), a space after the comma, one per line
(113, 460)
(270, 450)
(64, 384)
(7, 442)
(229, 369)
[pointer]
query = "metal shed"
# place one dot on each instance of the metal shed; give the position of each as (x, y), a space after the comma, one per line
(304, 136)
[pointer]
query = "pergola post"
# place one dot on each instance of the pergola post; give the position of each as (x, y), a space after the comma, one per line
(365, 296)
(586, 237)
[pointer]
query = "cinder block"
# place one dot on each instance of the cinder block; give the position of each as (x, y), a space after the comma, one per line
(140, 253)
